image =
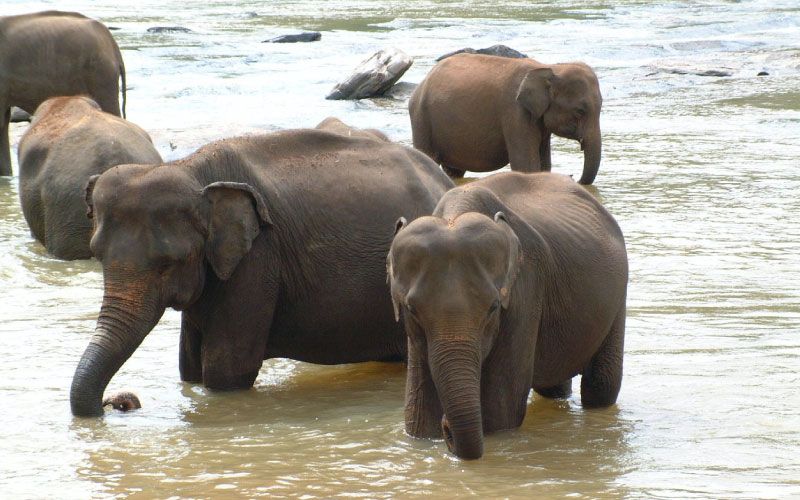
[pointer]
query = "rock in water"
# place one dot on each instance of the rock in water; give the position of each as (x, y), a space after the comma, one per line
(494, 50)
(19, 115)
(308, 36)
(373, 76)
(168, 29)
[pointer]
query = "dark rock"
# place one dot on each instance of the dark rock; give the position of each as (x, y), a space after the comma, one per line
(762, 73)
(168, 29)
(251, 15)
(401, 90)
(308, 36)
(373, 76)
(113, 28)
(494, 50)
(19, 115)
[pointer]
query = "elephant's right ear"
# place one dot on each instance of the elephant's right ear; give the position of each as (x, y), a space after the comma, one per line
(88, 196)
(535, 91)
(237, 214)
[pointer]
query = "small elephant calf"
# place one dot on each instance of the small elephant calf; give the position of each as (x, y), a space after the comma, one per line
(515, 281)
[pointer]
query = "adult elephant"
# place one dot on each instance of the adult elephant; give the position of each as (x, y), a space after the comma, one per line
(52, 53)
(333, 124)
(270, 245)
(69, 140)
(515, 281)
(478, 113)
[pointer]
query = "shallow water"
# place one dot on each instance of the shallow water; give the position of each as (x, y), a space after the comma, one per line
(701, 173)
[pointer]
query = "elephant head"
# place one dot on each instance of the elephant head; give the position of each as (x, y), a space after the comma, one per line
(155, 229)
(566, 97)
(452, 281)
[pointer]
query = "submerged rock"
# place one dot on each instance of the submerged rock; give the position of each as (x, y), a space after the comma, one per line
(168, 29)
(307, 36)
(373, 76)
(689, 68)
(495, 50)
(19, 115)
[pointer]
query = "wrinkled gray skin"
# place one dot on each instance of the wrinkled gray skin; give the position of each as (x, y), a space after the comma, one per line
(516, 281)
(69, 140)
(479, 113)
(270, 245)
(49, 54)
(333, 124)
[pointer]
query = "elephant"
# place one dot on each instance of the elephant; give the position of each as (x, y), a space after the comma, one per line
(69, 140)
(479, 112)
(270, 245)
(516, 281)
(333, 124)
(52, 53)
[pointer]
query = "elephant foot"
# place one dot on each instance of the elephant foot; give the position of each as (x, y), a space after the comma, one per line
(452, 172)
(123, 401)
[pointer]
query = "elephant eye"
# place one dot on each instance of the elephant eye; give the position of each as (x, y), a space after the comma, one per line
(494, 306)
(581, 112)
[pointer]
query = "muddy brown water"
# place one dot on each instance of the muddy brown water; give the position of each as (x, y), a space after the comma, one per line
(701, 173)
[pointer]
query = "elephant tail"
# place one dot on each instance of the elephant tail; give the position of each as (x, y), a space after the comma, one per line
(121, 69)
(124, 86)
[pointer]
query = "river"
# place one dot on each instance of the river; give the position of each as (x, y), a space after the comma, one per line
(700, 171)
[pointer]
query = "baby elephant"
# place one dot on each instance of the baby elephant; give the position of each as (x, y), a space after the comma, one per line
(71, 139)
(516, 281)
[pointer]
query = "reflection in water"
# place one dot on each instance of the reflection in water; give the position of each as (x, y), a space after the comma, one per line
(700, 172)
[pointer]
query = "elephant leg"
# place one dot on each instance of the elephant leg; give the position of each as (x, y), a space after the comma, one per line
(452, 172)
(5, 146)
(236, 321)
(506, 378)
(189, 357)
(544, 152)
(423, 410)
(523, 143)
(602, 378)
(560, 391)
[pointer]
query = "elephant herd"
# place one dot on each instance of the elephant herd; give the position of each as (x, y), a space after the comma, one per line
(334, 244)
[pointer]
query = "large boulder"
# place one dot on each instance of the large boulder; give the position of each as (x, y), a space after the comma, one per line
(374, 76)
(494, 50)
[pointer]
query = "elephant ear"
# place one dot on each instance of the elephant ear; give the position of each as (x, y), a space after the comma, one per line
(237, 214)
(88, 190)
(536, 91)
(394, 291)
(513, 259)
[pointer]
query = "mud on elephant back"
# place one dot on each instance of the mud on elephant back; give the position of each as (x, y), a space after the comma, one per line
(516, 281)
(479, 113)
(49, 54)
(270, 245)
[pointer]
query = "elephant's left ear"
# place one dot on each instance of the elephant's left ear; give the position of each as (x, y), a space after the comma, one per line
(238, 212)
(512, 269)
(88, 195)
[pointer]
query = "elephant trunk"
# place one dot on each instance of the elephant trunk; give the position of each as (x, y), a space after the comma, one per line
(121, 326)
(455, 368)
(592, 148)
